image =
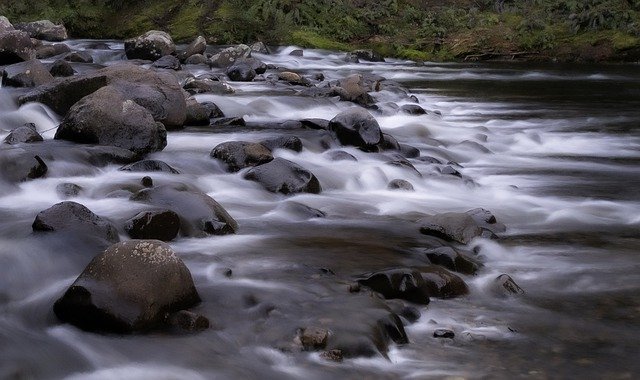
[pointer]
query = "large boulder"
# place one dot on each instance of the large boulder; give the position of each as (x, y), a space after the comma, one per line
(107, 117)
(443, 284)
(283, 176)
(131, 287)
(77, 219)
(357, 127)
(44, 30)
(161, 225)
(5, 24)
(354, 88)
(241, 72)
(241, 154)
(230, 55)
(26, 74)
(150, 46)
(460, 227)
(24, 134)
(200, 215)
(406, 284)
(15, 46)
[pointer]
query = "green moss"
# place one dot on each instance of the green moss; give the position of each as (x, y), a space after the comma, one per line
(311, 39)
(184, 25)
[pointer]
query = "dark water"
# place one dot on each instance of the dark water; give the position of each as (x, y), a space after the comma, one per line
(554, 154)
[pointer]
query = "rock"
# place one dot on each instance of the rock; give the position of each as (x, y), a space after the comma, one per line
(75, 218)
(68, 190)
(283, 176)
(444, 333)
(26, 74)
(448, 170)
(149, 46)
(61, 68)
(301, 211)
(400, 184)
(409, 151)
(160, 225)
(320, 124)
(196, 47)
(332, 355)
(293, 78)
(17, 165)
(146, 181)
(429, 160)
(230, 55)
(260, 47)
(364, 55)
(168, 62)
(15, 46)
(356, 127)
(283, 142)
(44, 30)
(354, 88)
(340, 155)
(451, 226)
(443, 284)
(48, 51)
(406, 284)
(130, 287)
(241, 72)
(196, 59)
(149, 166)
(5, 24)
(200, 215)
(296, 53)
(451, 259)
(79, 57)
(257, 65)
(106, 117)
(188, 321)
(228, 121)
(412, 109)
(241, 154)
(25, 134)
(313, 338)
(389, 142)
(201, 113)
(200, 86)
(504, 286)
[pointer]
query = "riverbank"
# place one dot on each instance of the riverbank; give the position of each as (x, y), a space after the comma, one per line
(592, 31)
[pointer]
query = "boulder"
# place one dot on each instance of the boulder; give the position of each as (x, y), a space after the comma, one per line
(441, 283)
(389, 142)
(201, 113)
(296, 53)
(196, 59)
(406, 284)
(149, 166)
(400, 184)
(356, 127)
(451, 259)
(364, 55)
(504, 286)
(79, 57)
(168, 62)
(354, 88)
(161, 225)
(61, 68)
(68, 190)
(241, 72)
(149, 46)
(206, 85)
(293, 78)
(17, 165)
(15, 46)
(75, 218)
(230, 55)
(48, 51)
(412, 109)
(283, 176)
(257, 65)
(5, 24)
(26, 74)
(107, 117)
(241, 154)
(340, 155)
(196, 47)
(25, 134)
(200, 215)
(44, 30)
(260, 47)
(283, 142)
(131, 287)
(458, 226)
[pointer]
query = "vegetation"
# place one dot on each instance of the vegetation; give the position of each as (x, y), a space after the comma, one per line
(415, 29)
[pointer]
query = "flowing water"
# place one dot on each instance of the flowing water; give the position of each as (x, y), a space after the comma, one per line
(552, 151)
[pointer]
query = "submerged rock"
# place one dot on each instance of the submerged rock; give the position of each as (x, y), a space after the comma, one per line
(283, 176)
(132, 286)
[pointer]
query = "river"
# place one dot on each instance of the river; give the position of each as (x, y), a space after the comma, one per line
(552, 150)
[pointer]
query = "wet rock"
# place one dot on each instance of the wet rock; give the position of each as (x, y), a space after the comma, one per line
(260, 47)
(302, 211)
(340, 155)
(451, 259)
(168, 62)
(356, 127)
(400, 184)
(504, 286)
(230, 55)
(393, 328)
(283, 142)
(355, 89)
(75, 218)
(200, 215)
(25, 134)
(130, 287)
(406, 284)
(296, 53)
(444, 333)
(68, 190)
(79, 57)
(227, 121)
(429, 160)
(283, 176)
(241, 154)
(409, 151)
(364, 55)
(412, 109)
(201, 113)
(293, 78)
(196, 59)
(26, 74)
(161, 225)
(206, 85)
(451, 226)
(19, 165)
(257, 65)
(44, 30)
(105, 155)
(448, 170)
(150, 46)
(146, 181)
(332, 355)
(188, 321)
(15, 46)
(61, 68)
(443, 284)
(196, 47)
(389, 142)
(48, 51)
(313, 338)
(149, 166)
(106, 117)
(321, 124)
(241, 72)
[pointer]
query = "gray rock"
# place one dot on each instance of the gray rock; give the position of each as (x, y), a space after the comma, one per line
(283, 176)
(48, 51)
(17, 165)
(364, 55)
(412, 109)
(340, 155)
(357, 127)
(5, 24)
(161, 225)
(15, 46)
(196, 47)
(149, 46)
(260, 47)
(26, 74)
(79, 57)
(230, 55)
(451, 226)
(196, 59)
(400, 184)
(44, 30)
(168, 62)
(241, 72)
(406, 284)
(283, 142)
(68, 190)
(451, 259)
(241, 154)
(149, 166)
(313, 338)
(61, 68)
(504, 286)
(201, 113)
(25, 134)
(200, 86)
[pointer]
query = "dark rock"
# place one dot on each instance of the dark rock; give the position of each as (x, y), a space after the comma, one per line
(241, 72)
(448, 170)
(44, 30)
(25, 134)
(106, 117)
(130, 287)
(196, 59)
(227, 121)
(429, 160)
(413, 109)
(105, 155)
(451, 226)
(241, 154)
(26, 74)
(356, 127)
(283, 176)
(451, 259)
(200, 215)
(296, 53)
(340, 155)
(406, 284)
(149, 166)
(364, 55)
(409, 151)
(168, 62)
(146, 181)
(196, 47)
(17, 165)
(230, 55)
(15, 46)
(389, 142)
(79, 57)
(160, 225)
(150, 46)
(257, 65)
(392, 327)
(284, 142)
(313, 338)
(315, 123)
(188, 321)
(68, 190)
(201, 113)
(48, 51)
(332, 355)
(200, 86)
(61, 68)
(400, 184)
(504, 286)
(441, 283)
(73, 217)
(302, 211)
(444, 333)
